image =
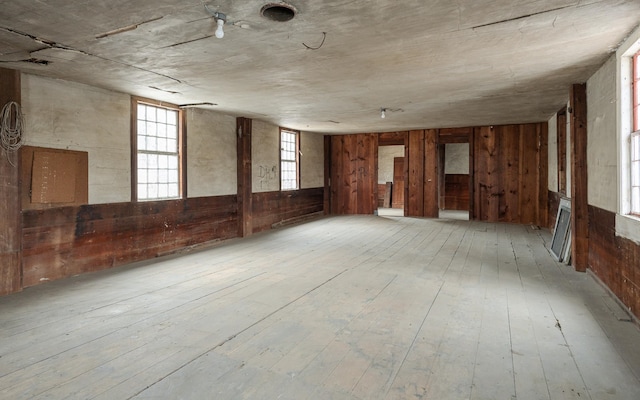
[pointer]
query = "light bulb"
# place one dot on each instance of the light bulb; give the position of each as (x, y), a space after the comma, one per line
(382, 113)
(219, 31)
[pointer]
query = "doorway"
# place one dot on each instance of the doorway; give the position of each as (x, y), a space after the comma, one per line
(391, 171)
(454, 180)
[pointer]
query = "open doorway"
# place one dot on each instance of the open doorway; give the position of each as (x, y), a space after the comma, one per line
(391, 180)
(454, 181)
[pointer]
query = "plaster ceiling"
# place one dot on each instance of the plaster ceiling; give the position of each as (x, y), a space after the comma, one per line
(431, 63)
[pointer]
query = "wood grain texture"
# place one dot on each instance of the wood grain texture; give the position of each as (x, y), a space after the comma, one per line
(66, 241)
(507, 176)
(431, 177)
(243, 133)
(10, 226)
(392, 138)
(579, 178)
(346, 307)
(456, 192)
(414, 196)
(277, 208)
(614, 259)
(354, 174)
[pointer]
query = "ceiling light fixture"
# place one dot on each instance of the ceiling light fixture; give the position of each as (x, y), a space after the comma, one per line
(220, 20)
(383, 113)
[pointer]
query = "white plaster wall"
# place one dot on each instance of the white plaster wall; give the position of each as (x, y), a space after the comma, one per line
(386, 154)
(552, 155)
(456, 158)
(311, 160)
(211, 154)
(602, 155)
(265, 156)
(65, 115)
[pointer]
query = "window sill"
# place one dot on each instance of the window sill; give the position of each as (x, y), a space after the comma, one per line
(628, 226)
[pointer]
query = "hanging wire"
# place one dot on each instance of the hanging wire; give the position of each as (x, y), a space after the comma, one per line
(11, 122)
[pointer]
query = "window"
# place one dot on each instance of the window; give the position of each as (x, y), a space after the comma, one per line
(635, 136)
(289, 150)
(157, 159)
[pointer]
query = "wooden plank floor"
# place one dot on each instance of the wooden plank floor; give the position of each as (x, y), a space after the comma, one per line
(358, 307)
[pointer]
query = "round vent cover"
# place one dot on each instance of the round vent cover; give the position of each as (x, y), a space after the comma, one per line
(280, 12)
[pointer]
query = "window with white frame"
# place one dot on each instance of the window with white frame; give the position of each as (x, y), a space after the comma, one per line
(635, 136)
(289, 150)
(158, 160)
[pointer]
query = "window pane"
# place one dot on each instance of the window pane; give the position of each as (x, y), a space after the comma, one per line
(151, 129)
(157, 135)
(173, 162)
(163, 191)
(142, 191)
(172, 117)
(173, 190)
(163, 175)
(142, 175)
(142, 143)
(162, 144)
(142, 161)
(151, 114)
(152, 144)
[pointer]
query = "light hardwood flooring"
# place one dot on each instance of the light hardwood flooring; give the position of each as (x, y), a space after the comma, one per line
(358, 307)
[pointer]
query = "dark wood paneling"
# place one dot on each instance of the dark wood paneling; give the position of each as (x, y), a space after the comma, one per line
(579, 179)
(392, 138)
(327, 174)
(354, 177)
(66, 241)
(507, 179)
(456, 192)
(243, 134)
(615, 260)
(10, 225)
(454, 135)
(414, 195)
(277, 208)
(384, 197)
(397, 200)
(430, 183)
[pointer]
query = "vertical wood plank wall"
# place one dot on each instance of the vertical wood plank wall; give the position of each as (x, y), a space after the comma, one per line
(10, 224)
(354, 166)
(613, 259)
(243, 134)
(579, 178)
(509, 174)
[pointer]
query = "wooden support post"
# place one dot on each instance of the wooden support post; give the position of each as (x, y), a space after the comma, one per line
(327, 175)
(579, 195)
(10, 207)
(245, 204)
(430, 186)
(414, 185)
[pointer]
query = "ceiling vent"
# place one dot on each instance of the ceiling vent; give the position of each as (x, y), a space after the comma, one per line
(279, 12)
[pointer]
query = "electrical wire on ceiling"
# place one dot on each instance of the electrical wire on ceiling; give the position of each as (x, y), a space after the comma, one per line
(11, 122)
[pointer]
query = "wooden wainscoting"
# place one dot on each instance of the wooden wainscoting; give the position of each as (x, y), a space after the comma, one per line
(613, 259)
(65, 241)
(273, 208)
